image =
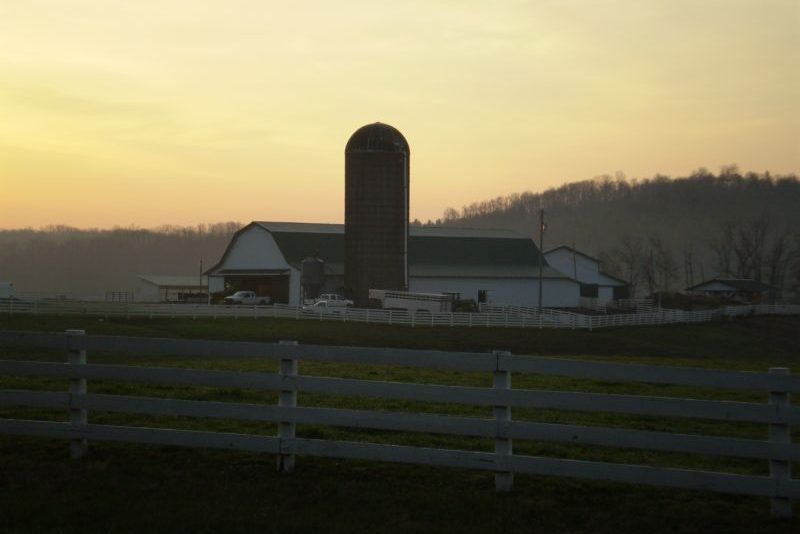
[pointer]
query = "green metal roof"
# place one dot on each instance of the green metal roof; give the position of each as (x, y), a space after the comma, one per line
(432, 251)
(742, 284)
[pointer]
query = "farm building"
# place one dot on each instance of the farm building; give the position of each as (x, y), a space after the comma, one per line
(741, 289)
(596, 287)
(167, 288)
(497, 266)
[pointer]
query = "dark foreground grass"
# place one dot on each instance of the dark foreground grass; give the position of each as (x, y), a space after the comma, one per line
(131, 488)
(757, 340)
(123, 488)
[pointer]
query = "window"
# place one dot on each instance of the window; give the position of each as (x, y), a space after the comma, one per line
(589, 290)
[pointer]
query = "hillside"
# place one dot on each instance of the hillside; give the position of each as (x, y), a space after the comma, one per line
(681, 230)
(90, 262)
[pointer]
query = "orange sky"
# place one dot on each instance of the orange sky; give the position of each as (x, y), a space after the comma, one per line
(190, 111)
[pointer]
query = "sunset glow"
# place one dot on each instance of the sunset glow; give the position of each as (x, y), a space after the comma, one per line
(182, 112)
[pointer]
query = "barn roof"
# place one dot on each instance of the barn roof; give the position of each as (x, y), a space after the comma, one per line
(742, 284)
(432, 251)
(573, 250)
(176, 281)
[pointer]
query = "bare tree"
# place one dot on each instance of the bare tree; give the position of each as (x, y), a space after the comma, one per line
(741, 247)
(688, 265)
(779, 259)
(722, 246)
(629, 257)
(665, 268)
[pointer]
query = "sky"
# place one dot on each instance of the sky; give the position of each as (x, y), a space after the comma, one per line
(143, 113)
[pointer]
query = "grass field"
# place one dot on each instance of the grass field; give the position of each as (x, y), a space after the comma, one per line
(131, 488)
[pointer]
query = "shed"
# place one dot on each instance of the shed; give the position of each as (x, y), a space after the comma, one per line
(172, 288)
(740, 289)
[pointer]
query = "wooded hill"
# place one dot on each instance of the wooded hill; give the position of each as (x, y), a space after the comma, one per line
(662, 233)
(64, 260)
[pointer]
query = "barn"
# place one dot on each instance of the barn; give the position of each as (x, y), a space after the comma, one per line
(498, 266)
(596, 286)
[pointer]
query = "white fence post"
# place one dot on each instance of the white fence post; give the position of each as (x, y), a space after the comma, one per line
(77, 386)
(503, 480)
(287, 397)
(779, 470)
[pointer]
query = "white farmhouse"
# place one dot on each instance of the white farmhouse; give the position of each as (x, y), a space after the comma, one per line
(497, 266)
(596, 287)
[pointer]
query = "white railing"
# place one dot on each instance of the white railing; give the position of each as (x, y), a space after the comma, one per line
(489, 316)
(778, 413)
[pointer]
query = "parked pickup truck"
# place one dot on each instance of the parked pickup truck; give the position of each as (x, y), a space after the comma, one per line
(246, 297)
(328, 301)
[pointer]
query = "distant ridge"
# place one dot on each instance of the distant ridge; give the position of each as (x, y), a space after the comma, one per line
(686, 216)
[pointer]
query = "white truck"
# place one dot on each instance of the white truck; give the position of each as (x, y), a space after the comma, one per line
(413, 302)
(328, 301)
(246, 297)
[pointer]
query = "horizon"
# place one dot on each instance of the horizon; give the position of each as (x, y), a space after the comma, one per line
(151, 114)
(165, 227)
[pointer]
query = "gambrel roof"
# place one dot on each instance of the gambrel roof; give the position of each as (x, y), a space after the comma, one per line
(433, 251)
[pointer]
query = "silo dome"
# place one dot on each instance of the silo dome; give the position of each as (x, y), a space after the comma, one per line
(376, 198)
(378, 137)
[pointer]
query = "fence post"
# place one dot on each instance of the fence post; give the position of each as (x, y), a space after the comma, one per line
(503, 480)
(76, 355)
(780, 470)
(287, 398)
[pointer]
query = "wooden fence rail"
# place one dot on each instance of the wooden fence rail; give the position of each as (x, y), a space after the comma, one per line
(502, 397)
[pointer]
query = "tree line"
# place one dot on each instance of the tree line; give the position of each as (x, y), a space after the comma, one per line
(665, 234)
(64, 260)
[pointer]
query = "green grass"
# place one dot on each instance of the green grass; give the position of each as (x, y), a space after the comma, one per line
(132, 488)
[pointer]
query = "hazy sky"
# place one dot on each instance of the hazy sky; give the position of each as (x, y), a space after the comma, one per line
(185, 111)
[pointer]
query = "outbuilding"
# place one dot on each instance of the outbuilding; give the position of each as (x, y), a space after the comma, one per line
(171, 288)
(493, 266)
(741, 289)
(596, 286)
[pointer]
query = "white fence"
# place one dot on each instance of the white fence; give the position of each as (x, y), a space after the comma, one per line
(489, 316)
(778, 413)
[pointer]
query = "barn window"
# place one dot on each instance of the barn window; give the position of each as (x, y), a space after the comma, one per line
(589, 290)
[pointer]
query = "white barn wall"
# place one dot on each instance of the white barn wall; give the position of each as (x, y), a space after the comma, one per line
(512, 291)
(588, 271)
(605, 294)
(216, 284)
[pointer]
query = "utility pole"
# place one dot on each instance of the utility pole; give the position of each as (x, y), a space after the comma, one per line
(200, 279)
(541, 254)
